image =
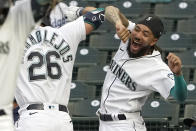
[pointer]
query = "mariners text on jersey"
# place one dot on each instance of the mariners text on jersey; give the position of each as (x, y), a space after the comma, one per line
(41, 36)
(122, 75)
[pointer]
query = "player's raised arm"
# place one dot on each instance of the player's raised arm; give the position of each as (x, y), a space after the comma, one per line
(93, 19)
(113, 15)
(179, 91)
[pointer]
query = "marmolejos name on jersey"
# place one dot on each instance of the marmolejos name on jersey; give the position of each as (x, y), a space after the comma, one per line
(42, 36)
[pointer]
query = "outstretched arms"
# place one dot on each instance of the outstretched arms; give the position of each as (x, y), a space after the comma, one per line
(179, 91)
(93, 19)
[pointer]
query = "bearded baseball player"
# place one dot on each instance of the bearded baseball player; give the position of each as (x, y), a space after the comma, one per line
(135, 72)
(44, 82)
(15, 23)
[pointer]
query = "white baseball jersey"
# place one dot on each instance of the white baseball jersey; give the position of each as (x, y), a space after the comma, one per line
(13, 32)
(129, 81)
(46, 70)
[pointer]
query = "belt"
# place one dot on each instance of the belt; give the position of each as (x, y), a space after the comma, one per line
(43, 107)
(107, 117)
(114, 117)
(2, 112)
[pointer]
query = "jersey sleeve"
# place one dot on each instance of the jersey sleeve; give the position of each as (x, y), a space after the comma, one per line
(22, 19)
(163, 83)
(131, 26)
(74, 32)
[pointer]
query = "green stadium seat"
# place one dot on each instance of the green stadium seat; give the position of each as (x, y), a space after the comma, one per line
(81, 91)
(80, 3)
(85, 108)
(105, 27)
(105, 42)
(160, 110)
(176, 10)
(86, 56)
(83, 114)
(190, 111)
(131, 8)
(169, 25)
(173, 41)
(188, 58)
(100, 0)
(188, 64)
(191, 98)
(187, 26)
(92, 75)
(154, 1)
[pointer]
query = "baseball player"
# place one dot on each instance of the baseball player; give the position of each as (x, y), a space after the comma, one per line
(135, 72)
(60, 15)
(15, 23)
(44, 82)
(63, 14)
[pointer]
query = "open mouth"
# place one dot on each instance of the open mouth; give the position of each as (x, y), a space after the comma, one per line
(135, 45)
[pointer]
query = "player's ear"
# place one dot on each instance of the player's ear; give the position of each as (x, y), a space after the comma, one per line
(154, 41)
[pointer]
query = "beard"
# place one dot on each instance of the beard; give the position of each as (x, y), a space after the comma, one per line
(143, 51)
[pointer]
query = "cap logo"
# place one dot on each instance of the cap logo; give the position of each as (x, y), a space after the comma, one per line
(149, 18)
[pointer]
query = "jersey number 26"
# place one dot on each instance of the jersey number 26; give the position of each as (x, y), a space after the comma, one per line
(44, 60)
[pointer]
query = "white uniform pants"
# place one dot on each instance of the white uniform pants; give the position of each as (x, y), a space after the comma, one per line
(44, 120)
(6, 123)
(136, 124)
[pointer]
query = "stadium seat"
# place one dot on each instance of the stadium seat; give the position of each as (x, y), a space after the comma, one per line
(106, 42)
(80, 3)
(92, 75)
(131, 8)
(154, 1)
(105, 27)
(169, 25)
(86, 56)
(160, 110)
(81, 91)
(191, 98)
(188, 64)
(176, 10)
(100, 0)
(190, 110)
(85, 108)
(84, 115)
(172, 41)
(187, 26)
(188, 58)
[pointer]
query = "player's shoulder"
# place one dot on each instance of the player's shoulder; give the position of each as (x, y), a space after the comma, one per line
(161, 65)
(158, 61)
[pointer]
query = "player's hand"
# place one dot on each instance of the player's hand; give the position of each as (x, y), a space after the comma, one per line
(174, 64)
(122, 31)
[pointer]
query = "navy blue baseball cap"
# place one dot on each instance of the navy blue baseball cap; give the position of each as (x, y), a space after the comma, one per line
(154, 23)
